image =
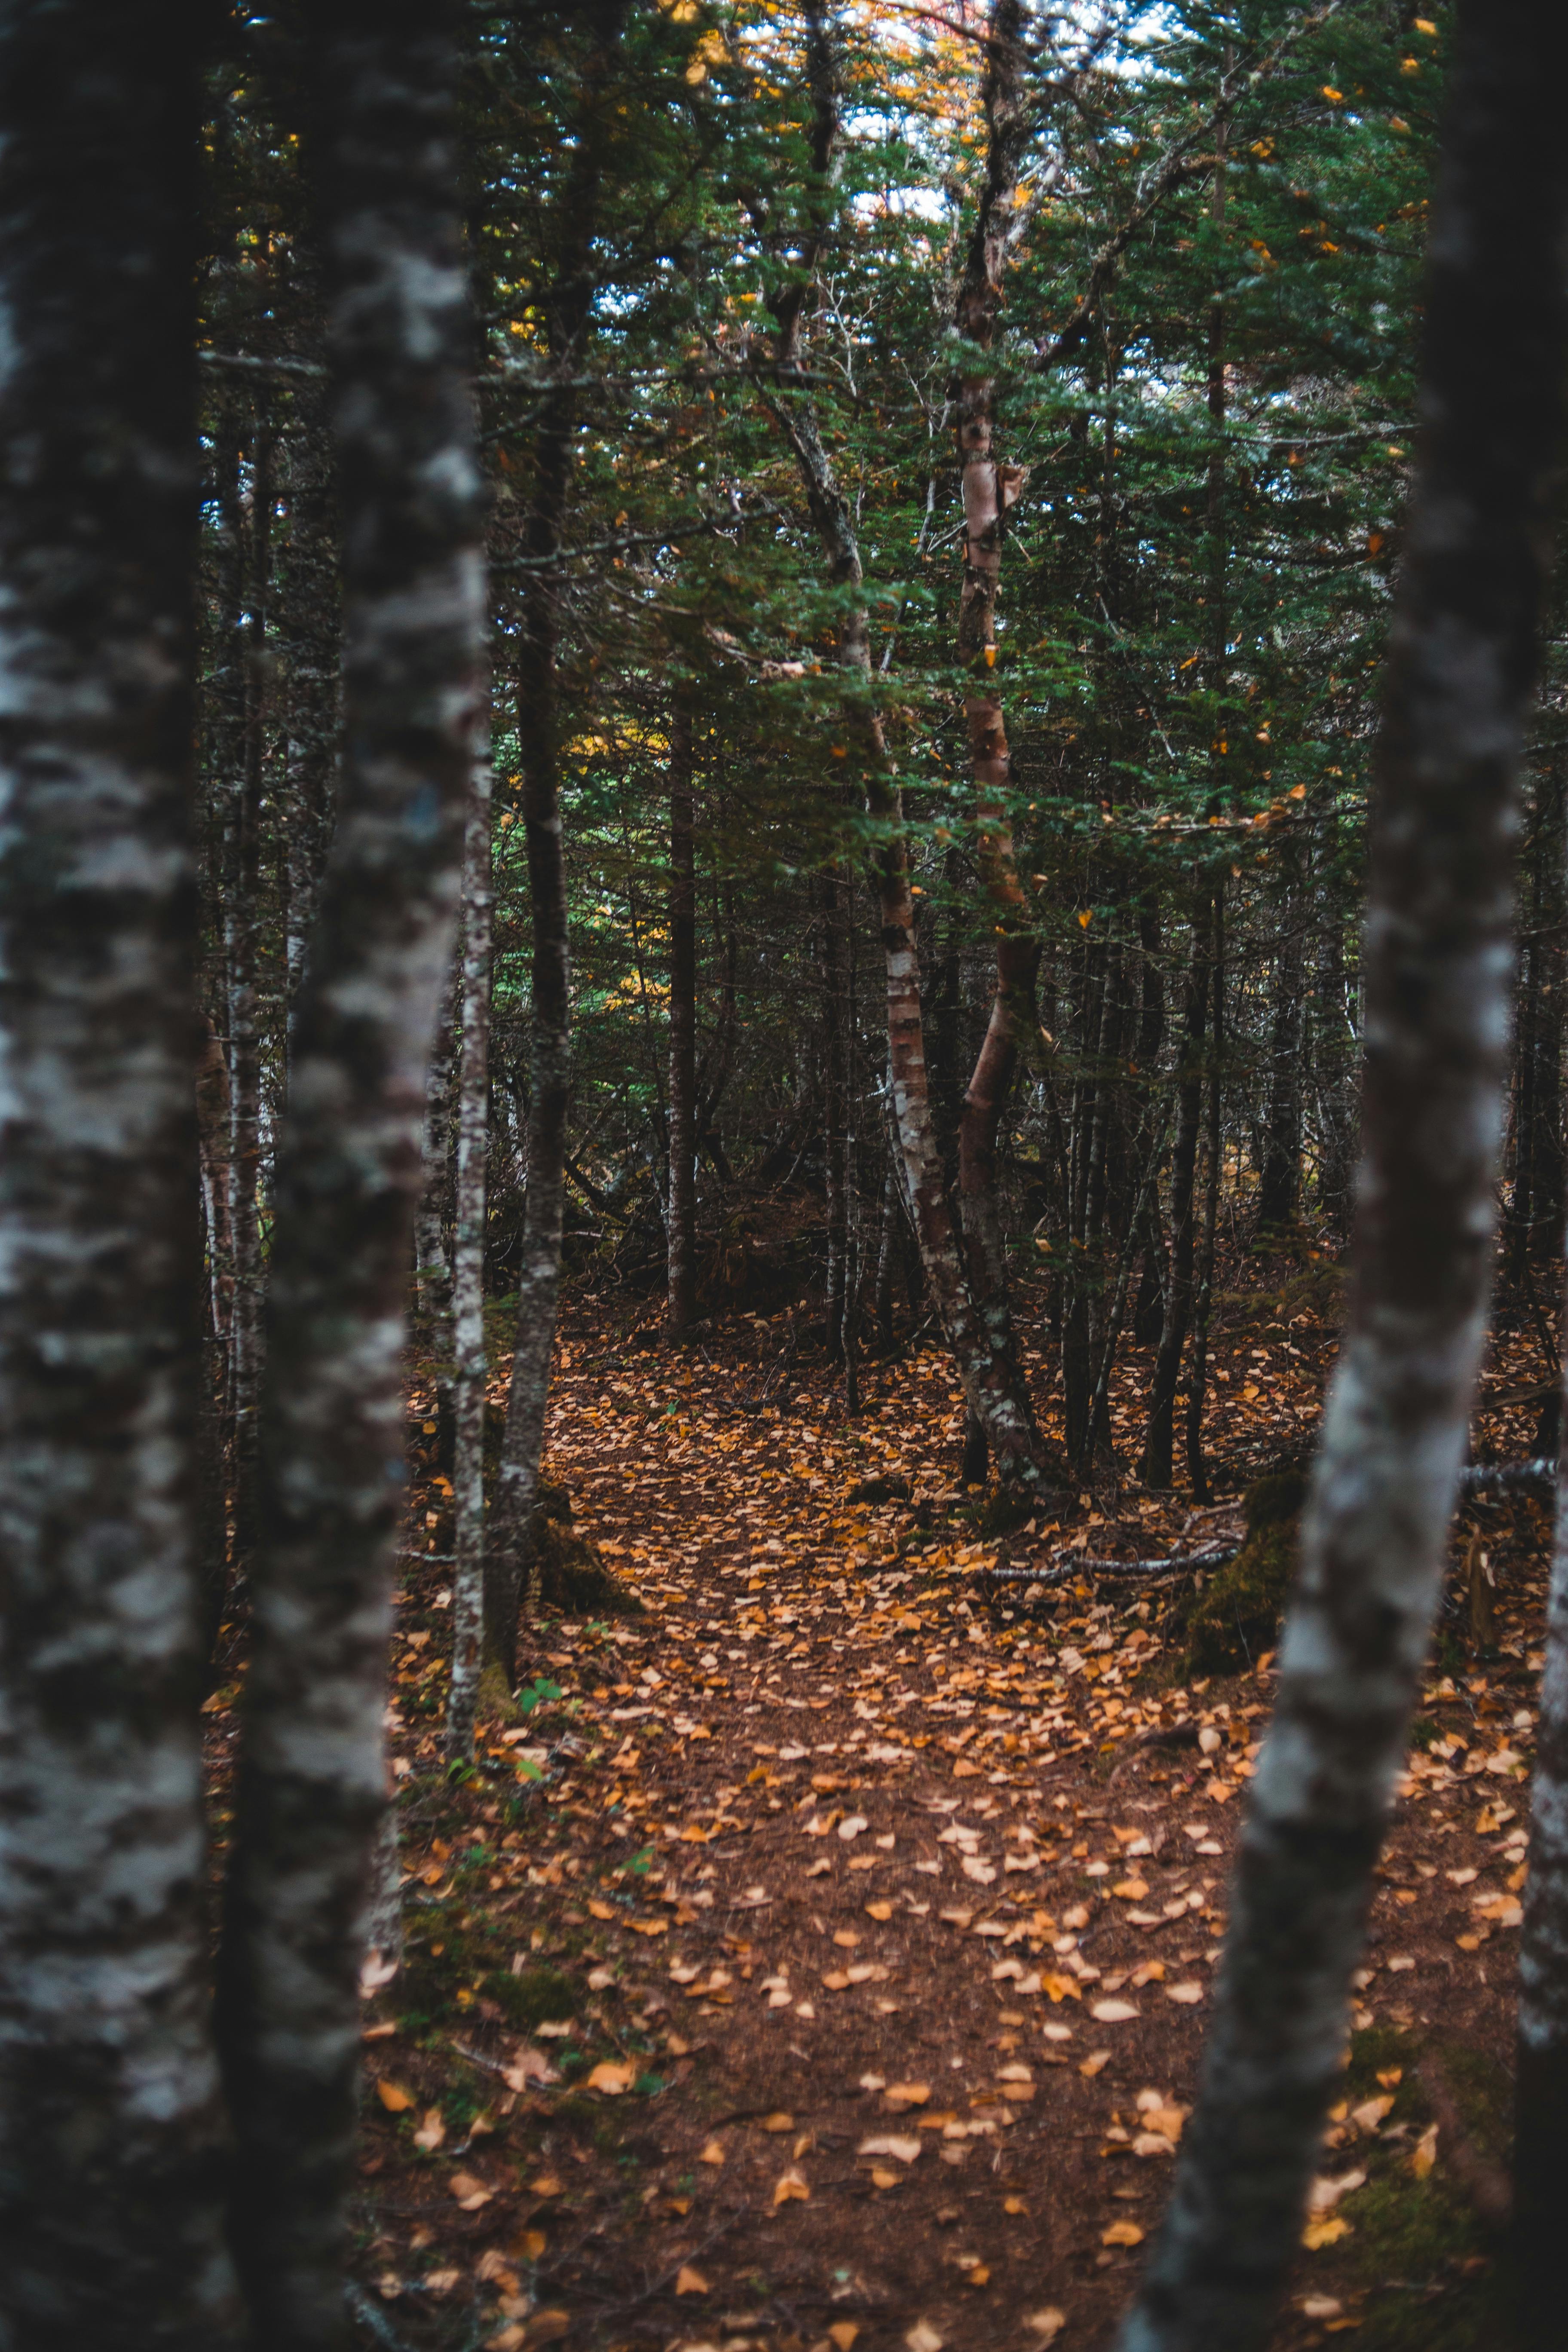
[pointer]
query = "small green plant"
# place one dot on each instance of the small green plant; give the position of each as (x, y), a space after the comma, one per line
(537, 1694)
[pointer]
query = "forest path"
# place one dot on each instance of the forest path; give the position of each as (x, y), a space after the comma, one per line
(815, 1984)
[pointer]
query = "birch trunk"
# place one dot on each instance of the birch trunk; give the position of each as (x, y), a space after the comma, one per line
(110, 2121)
(310, 1794)
(1445, 818)
(471, 1369)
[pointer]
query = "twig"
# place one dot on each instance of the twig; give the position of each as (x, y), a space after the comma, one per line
(1507, 1477)
(368, 2316)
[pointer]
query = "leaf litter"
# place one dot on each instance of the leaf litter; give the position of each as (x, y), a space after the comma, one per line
(634, 1877)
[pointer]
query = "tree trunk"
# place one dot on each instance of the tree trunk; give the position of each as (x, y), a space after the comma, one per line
(992, 1389)
(112, 2163)
(682, 1229)
(989, 489)
(539, 1282)
(310, 1794)
(1159, 1439)
(245, 1027)
(1461, 659)
(1198, 1369)
(471, 1369)
(1282, 1138)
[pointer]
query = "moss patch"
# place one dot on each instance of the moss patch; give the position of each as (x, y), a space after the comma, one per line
(1238, 1614)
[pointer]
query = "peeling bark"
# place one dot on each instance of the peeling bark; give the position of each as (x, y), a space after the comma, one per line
(471, 1369)
(311, 1796)
(111, 2159)
(1445, 819)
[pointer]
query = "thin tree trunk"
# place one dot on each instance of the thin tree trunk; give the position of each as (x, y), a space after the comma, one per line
(539, 1282)
(992, 1390)
(989, 489)
(682, 1227)
(1462, 656)
(835, 1138)
(244, 1026)
(431, 1259)
(471, 1369)
(1198, 1367)
(110, 2120)
(311, 1793)
(1159, 1439)
(1282, 1144)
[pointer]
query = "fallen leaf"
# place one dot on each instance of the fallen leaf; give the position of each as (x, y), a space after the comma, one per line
(713, 2153)
(432, 2131)
(1121, 2233)
(1060, 1987)
(852, 1826)
(392, 2096)
(1046, 2325)
(908, 2095)
(905, 2146)
(1424, 2155)
(1113, 2013)
(689, 2281)
(1370, 2112)
(1326, 2191)
(923, 2337)
(546, 2184)
(1187, 1993)
(878, 1910)
(790, 2187)
(844, 2332)
(611, 2078)
(977, 2274)
(779, 2121)
(1094, 2062)
(470, 2193)
(1324, 2229)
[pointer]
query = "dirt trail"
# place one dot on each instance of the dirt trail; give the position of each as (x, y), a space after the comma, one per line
(795, 1973)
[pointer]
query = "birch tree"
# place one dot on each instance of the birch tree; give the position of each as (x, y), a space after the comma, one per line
(110, 2118)
(309, 1793)
(1438, 974)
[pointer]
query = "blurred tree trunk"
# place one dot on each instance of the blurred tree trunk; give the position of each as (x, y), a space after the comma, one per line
(111, 2130)
(471, 1369)
(681, 1237)
(310, 1794)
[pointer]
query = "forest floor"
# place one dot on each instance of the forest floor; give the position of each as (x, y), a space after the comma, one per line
(819, 1957)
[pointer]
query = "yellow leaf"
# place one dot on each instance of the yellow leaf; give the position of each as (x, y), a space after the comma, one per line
(878, 1910)
(977, 2275)
(908, 2095)
(600, 1910)
(392, 2096)
(690, 2281)
(790, 2187)
(611, 2078)
(1121, 2233)
(779, 2121)
(1060, 1987)
(547, 2185)
(1324, 2229)
(844, 2332)
(1424, 2155)
(713, 2153)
